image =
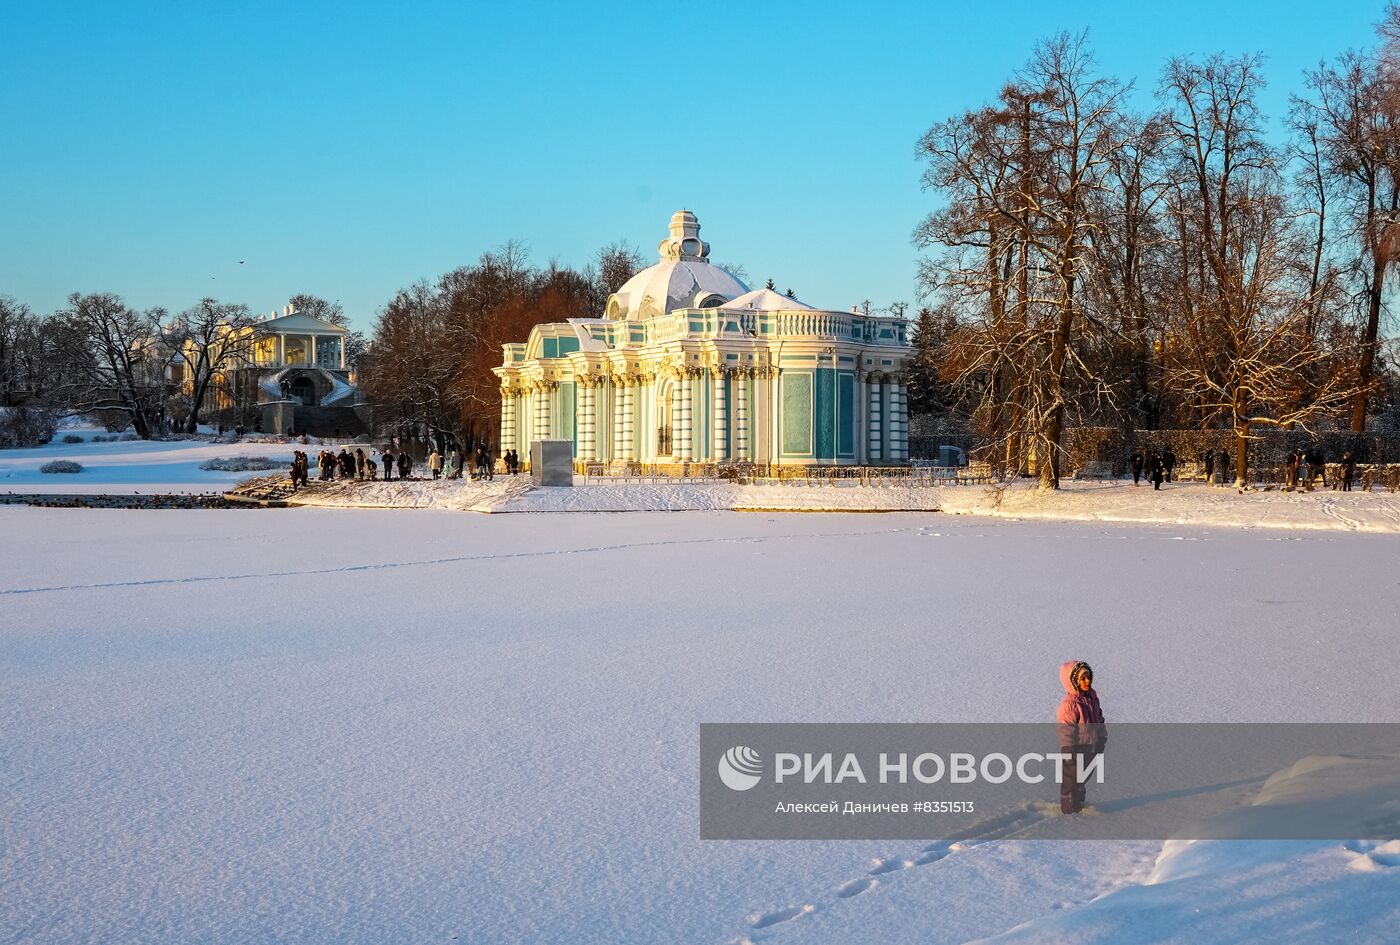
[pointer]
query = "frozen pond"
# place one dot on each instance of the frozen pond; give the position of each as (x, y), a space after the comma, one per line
(334, 725)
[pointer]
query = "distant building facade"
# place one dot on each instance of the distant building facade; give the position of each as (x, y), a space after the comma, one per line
(292, 373)
(689, 365)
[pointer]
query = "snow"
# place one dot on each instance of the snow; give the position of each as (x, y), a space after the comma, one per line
(1091, 502)
(166, 467)
(1205, 891)
(672, 284)
(134, 466)
(341, 725)
(765, 300)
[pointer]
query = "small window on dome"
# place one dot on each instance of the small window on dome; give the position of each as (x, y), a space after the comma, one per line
(712, 301)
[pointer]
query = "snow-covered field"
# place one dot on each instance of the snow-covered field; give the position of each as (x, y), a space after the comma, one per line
(343, 725)
(1111, 501)
(128, 467)
(173, 467)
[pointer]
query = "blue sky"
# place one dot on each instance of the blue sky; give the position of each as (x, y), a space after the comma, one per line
(252, 151)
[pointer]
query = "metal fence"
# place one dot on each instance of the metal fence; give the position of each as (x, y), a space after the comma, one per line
(768, 473)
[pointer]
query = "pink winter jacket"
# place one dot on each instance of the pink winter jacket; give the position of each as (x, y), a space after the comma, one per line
(1079, 715)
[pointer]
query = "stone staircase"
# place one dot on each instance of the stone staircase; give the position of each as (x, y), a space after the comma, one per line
(267, 491)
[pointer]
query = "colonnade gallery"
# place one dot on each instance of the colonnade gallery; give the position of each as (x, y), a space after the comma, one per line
(688, 365)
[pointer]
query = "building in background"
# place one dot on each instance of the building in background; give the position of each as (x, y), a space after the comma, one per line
(290, 372)
(688, 365)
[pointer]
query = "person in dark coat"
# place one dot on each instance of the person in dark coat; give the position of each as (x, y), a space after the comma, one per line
(1348, 470)
(1317, 466)
(1222, 467)
(1295, 459)
(405, 464)
(347, 463)
(1137, 466)
(359, 463)
(1208, 465)
(388, 463)
(1169, 463)
(1157, 470)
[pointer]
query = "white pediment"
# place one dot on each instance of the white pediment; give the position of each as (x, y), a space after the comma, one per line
(297, 323)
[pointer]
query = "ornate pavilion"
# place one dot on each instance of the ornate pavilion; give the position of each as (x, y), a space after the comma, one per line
(690, 366)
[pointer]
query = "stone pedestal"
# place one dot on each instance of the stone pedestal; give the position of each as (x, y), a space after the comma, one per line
(278, 416)
(552, 462)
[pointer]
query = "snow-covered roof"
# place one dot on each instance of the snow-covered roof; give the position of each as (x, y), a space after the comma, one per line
(586, 341)
(296, 323)
(766, 300)
(684, 278)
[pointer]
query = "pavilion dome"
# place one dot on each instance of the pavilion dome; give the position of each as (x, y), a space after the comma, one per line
(684, 278)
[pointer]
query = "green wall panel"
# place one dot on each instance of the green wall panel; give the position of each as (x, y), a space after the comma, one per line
(845, 414)
(797, 413)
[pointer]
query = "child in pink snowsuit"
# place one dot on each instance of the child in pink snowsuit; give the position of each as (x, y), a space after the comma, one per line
(1082, 731)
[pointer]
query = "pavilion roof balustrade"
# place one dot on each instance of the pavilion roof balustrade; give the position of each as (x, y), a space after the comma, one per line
(796, 323)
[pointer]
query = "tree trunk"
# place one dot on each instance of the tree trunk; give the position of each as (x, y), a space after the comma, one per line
(1366, 368)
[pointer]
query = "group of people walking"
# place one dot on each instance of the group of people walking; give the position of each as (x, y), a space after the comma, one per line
(454, 464)
(1160, 467)
(331, 465)
(1303, 468)
(360, 465)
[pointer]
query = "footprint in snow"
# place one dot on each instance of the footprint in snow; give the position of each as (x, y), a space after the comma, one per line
(768, 919)
(855, 887)
(932, 855)
(888, 865)
(1370, 857)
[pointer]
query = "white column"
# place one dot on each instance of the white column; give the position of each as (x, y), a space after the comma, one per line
(629, 418)
(887, 418)
(313, 349)
(507, 423)
(719, 426)
(775, 432)
(677, 387)
(877, 438)
(587, 432)
(899, 421)
(741, 415)
(619, 408)
(859, 417)
(686, 448)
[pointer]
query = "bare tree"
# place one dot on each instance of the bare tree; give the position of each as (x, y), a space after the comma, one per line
(115, 359)
(614, 265)
(1018, 182)
(1351, 130)
(211, 339)
(1239, 337)
(316, 307)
